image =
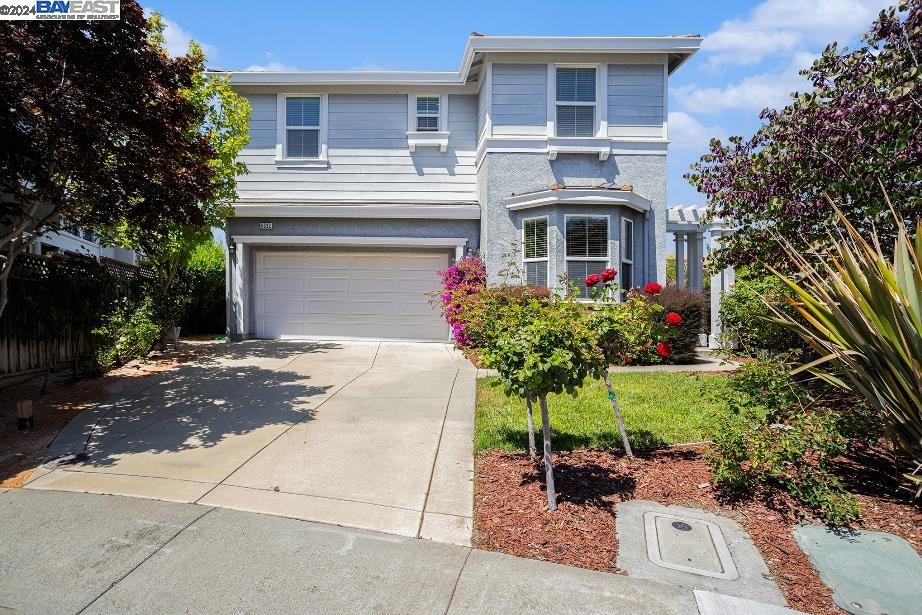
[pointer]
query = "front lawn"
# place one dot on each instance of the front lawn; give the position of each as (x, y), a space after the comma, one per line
(659, 408)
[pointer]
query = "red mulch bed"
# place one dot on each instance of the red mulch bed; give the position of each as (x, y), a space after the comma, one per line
(511, 515)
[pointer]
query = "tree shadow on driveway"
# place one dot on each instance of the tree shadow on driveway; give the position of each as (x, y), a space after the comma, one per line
(240, 390)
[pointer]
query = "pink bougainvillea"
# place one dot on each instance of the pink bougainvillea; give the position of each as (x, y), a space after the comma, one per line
(460, 283)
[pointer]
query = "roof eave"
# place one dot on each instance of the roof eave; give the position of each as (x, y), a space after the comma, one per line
(681, 47)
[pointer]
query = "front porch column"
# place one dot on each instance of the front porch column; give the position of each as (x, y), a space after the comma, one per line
(680, 260)
(696, 261)
(721, 282)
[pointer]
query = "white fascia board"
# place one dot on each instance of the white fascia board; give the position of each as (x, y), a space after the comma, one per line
(543, 144)
(341, 240)
(682, 46)
(343, 78)
(432, 212)
(581, 196)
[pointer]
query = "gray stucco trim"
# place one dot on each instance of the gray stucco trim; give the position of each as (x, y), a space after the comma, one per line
(503, 175)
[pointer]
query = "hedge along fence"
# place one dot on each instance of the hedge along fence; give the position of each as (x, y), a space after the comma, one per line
(55, 301)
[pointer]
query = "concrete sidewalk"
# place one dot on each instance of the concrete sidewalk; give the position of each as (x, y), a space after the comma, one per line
(83, 553)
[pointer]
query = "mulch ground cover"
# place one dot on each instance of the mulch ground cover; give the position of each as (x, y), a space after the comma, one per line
(511, 515)
(22, 451)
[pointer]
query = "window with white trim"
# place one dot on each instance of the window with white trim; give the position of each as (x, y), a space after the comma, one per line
(302, 127)
(576, 103)
(427, 113)
(627, 254)
(586, 249)
(534, 231)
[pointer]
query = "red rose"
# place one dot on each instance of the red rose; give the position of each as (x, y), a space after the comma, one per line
(652, 288)
(663, 349)
(592, 279)
(609, 274)
(673, 319)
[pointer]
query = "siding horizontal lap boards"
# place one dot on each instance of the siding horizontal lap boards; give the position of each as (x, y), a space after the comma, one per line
(635, 100)
(368, 154)
(519, 104)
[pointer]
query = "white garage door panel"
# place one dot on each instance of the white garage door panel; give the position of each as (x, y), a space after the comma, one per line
(348, 295)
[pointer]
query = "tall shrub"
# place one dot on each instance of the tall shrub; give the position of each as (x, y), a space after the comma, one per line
(461, 283)
(745, 320)
(201, 279)
(690, 305)
(862, 313)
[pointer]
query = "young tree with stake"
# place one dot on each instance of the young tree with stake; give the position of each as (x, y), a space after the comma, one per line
(546, 347)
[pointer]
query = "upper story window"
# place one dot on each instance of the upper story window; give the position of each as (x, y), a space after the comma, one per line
(535, 250)
(627, 254)
(586, 249)
(576, 102)
(427, 113)
(302, 127)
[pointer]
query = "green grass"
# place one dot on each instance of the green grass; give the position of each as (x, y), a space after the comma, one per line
(659, 408)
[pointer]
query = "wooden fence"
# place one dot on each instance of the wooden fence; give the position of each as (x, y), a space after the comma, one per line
(23, 347)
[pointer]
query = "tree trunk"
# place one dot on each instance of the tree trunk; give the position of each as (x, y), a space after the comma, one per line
(4, 291)
(620, 420)
(532, 449)
(548, 461)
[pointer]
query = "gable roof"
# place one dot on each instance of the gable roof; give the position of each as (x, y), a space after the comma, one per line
(677, 48)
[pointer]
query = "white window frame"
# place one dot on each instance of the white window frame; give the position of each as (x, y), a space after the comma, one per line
(600, 116)
(547, 239)
(625, 223)
(592, 259)
(281, 141)
(422, 138)
(417, 114)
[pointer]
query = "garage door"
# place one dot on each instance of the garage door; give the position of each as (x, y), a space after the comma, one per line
(377, 295)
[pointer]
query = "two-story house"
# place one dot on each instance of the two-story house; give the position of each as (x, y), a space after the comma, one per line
(545, 153)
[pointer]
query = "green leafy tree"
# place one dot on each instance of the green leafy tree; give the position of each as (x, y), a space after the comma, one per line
(222, 121)
(859, 128)
(544, 347)
(94, 130)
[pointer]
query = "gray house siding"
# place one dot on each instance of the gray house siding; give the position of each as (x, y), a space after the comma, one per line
(503, 174)
(483, 106)
(519, 99)
(368, 153)
(635, 100)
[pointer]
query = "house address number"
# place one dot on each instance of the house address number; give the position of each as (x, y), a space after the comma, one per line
(265, 226)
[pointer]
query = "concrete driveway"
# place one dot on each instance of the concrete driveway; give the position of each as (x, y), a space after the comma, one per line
(368, 435)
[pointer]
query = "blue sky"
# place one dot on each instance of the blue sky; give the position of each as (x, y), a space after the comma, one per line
(749, 59)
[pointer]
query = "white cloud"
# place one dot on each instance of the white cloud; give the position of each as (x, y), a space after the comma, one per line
(176, 40)
(753, 93)
(780, 26)
(688, 134)
(272, 65)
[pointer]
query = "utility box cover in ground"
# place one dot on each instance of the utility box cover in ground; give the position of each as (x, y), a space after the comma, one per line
(870, 573)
